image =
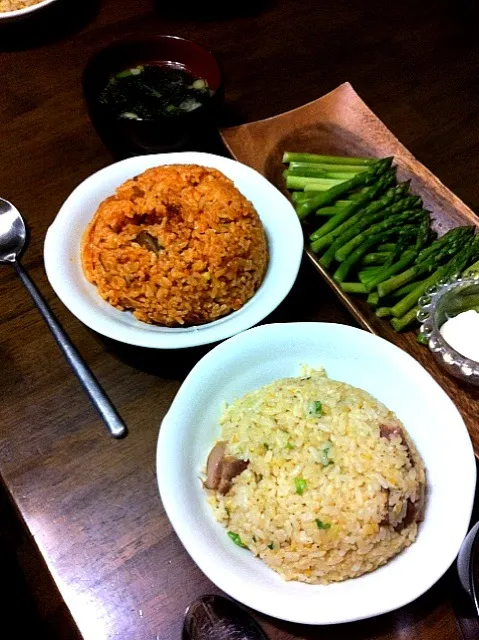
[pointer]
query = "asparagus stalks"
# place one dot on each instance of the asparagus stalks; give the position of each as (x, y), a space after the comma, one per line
(361, 221)
(319, 184)
(373, 297)
(356, 195)
(403, 291)
(440, 250)
(399, 324)
(458, 262)
(299, 196)
(327, 211)
(311, 188)
(350, 215)
(292, 156)
(376, 258)
(391, 222)
(368, 224)
(383, 312)
(371, 280)
(353, 287)
(344, 268)
(319, 167)
(295, 170)
(365, 178)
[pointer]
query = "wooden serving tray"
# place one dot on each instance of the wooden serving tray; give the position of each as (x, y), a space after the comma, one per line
(340, 123)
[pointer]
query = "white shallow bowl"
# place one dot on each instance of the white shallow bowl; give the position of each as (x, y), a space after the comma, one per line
(266, 353)
(20, 13)
(64, 271)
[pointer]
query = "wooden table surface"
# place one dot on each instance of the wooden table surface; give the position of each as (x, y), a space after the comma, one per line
(91, 503)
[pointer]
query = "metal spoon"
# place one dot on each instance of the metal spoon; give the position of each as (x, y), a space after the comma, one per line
(213, 617)
(12, 240)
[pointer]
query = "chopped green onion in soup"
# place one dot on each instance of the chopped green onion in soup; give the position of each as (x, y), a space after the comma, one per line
(153, 90)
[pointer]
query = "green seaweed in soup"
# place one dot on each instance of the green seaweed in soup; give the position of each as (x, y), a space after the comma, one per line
(149, 91)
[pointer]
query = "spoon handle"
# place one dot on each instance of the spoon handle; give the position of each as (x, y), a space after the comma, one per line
(100, 400)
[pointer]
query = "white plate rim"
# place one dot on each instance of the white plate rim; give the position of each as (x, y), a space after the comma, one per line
(16, 13)
(215, 574)
(145, 335)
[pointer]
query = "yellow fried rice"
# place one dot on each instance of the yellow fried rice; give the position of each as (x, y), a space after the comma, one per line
(177, 245)
(334, 487)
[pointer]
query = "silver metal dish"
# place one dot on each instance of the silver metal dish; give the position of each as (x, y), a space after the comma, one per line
(441, 302)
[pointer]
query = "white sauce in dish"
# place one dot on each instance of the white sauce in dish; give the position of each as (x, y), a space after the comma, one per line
(462, 334)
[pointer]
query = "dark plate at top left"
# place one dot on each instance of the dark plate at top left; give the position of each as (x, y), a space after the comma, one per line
(163, 132)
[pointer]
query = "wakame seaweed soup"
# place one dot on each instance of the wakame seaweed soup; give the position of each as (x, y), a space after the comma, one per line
(148, 91)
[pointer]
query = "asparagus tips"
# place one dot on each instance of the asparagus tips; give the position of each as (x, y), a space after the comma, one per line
(372, 280)
(376, 232)
(344, 268)
(357, 233)
(359, 180)
(428, 259)
(361, 205)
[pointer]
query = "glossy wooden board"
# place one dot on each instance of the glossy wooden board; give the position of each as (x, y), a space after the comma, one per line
(340, 123)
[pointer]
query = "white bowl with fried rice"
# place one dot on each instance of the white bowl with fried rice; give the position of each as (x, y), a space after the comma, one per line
(315, 456)
(208, 249)
(16, 9)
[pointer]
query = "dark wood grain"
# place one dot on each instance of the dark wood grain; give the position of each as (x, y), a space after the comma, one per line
(89, 503)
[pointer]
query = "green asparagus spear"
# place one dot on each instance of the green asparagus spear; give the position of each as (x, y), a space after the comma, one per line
(428, 259)
(315, 173)
(319, 168)
(299, 196)
(390, 222)
(467, 253)
(344, 268)
(373, 297)
(387, 246)
(376, 258)
(383, 312)
(353, 287)
(360, 207)
(327, 211)
(292, 156)
(366, 178)
(356, 195)
(367, 224)
(342, 245)
(319, 184)
(399, 324)
(372, 280)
